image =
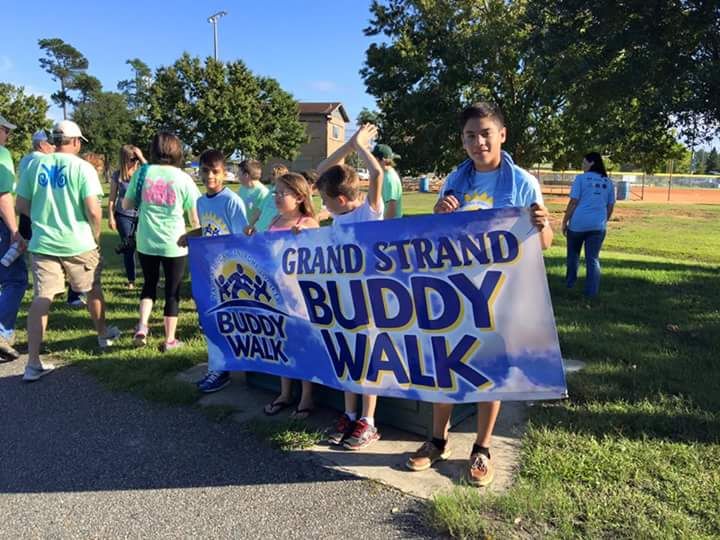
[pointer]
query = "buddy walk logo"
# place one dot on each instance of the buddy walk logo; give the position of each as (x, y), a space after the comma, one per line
(246, 312)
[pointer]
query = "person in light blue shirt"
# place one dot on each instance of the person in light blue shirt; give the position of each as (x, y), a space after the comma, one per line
(592, 198)
(487, 179)
(221, 211)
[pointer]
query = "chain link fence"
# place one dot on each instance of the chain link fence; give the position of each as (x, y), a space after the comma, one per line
(642, 187)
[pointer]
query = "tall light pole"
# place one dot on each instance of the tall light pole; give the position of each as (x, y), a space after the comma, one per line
(213, 19)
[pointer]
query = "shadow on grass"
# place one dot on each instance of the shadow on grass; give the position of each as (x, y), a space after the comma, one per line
(648, 340)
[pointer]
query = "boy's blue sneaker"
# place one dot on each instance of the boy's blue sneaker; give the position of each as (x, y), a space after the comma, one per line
(214, 381)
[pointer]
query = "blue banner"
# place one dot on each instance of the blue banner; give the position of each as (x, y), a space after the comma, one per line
(446, 308)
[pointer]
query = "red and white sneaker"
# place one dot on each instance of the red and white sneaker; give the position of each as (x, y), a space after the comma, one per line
(341, 430)
(362, 436)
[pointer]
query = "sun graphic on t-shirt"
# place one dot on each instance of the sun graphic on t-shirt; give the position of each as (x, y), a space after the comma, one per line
(213, 225)
(482, 200)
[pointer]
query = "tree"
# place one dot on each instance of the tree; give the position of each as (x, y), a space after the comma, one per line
(64, 62)
(107, 124)
(88, 86)
(570, 75)
(713, 163)
(367, 116)
(26, 111)
(224, 106)
(136, 89)
(699, 161)
(664, 53)
(137, 94)
(444, 55)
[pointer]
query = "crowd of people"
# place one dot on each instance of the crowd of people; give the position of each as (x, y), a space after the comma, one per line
(56, 216)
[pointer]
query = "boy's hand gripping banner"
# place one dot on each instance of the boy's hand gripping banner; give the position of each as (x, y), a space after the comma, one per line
(451, 308)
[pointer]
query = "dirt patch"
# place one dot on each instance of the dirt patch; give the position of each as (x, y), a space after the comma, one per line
(654, 194)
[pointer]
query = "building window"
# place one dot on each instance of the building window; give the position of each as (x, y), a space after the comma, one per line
(335, 132)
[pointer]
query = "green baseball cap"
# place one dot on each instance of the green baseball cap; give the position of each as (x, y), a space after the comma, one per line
(383, 151)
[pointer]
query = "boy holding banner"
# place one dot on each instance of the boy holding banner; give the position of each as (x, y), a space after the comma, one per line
(339, 189)
(487, 179)
(221, 211)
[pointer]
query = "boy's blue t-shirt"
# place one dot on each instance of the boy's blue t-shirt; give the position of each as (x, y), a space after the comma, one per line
(594, 194)
(222, 213)
(481, 194)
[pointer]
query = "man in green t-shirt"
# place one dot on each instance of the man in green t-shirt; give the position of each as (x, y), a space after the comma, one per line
(13, 273)
(392, 185)
(60, 193)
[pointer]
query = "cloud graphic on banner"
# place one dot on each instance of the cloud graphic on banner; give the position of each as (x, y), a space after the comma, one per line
(517, 381)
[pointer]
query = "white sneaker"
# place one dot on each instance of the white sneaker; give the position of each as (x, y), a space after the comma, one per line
(111, 334)
(33, 373)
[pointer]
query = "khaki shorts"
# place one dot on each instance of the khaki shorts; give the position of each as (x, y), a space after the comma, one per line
(82, 271)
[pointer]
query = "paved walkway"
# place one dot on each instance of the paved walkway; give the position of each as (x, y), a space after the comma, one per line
(79, 461)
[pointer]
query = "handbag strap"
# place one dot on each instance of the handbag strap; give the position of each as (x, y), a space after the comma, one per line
(139, 185)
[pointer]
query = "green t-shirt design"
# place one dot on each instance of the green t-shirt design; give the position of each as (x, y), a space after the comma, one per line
(166, 195)
(56, 185)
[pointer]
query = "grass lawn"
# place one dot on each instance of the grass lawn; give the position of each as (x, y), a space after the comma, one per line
(634, 452)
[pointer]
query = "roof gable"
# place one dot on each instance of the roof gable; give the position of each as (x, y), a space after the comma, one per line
(323, 108)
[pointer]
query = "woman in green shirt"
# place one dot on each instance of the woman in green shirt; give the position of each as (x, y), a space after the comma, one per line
(163, 195)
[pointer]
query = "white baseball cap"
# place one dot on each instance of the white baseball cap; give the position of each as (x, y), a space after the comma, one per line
(4, 123)
(39, 136)
(68, 129)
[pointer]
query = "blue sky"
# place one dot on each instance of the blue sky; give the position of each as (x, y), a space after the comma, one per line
(315, 49)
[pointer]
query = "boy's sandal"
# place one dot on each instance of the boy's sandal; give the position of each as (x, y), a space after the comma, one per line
(301, 414)
(271, 409)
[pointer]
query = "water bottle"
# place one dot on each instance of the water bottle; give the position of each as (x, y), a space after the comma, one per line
(11, 254)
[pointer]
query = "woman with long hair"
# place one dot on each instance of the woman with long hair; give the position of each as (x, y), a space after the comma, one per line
(592, 198)
(166, 195)
(119, 219)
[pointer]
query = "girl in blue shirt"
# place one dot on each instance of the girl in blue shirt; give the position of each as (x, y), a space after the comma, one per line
(592, 198)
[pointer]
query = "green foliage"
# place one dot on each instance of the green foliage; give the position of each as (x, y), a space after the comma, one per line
(88, 86)
(286, 434)
(699, 161)
(64, 62)
(224, 106)
(366, 116)
(27, 112)
(712, 163)
(136, 89)
(107, 123)
(571, 76)
(441, 56)
(137, 95)
(635, 70)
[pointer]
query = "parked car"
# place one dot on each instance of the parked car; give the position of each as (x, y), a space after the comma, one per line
(363, 174)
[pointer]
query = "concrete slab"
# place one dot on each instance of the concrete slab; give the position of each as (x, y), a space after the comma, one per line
(384, 461)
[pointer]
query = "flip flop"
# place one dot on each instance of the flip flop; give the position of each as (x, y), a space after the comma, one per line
(271, 409)
(301, 414)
